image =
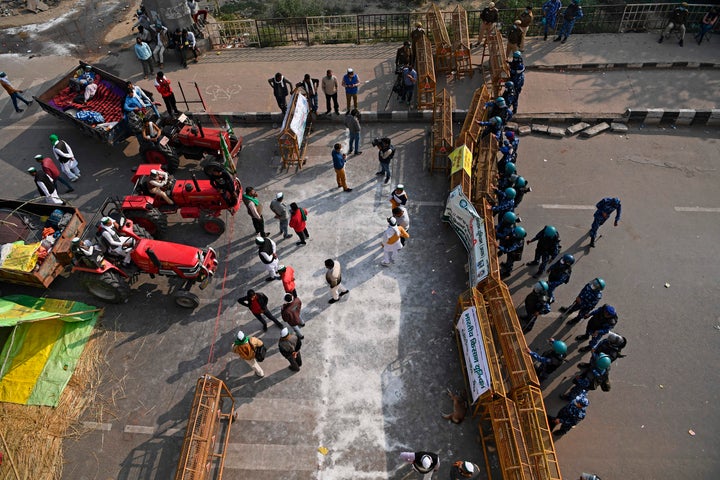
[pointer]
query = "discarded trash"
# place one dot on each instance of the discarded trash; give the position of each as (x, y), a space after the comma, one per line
(667, 285)
(691, 432)
(323, 450)
(544, 159)
(661, 386)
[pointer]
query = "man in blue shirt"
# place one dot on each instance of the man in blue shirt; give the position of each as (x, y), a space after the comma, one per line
(339, 160)
(351, 82)
(605, 208)
(550, 9)
(589, 296)
(144, 54)
(409, 80)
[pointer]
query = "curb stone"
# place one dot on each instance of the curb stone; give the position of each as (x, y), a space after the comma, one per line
(625, 66)
(592, 131)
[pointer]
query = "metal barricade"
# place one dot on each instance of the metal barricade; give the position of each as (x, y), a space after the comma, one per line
(442, 134)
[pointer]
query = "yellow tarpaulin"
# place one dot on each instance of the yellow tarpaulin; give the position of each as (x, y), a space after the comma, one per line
(22, 258)
(461, 160)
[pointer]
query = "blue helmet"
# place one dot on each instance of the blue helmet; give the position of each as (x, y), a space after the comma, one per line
(540, 287)
(519, 232)
(520, 182)
(568, 259)
(509, 84)
(550, 231)
(598, 284)
(510, 192)
(509, 217)
(510, 168)
(603, 362)
(500, 101)
(610, 310)
(517, 54)
(559, 347)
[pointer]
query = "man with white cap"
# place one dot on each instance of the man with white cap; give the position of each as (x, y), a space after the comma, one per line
(351, 82)
(391, 241)
(45, 186)
(398, 196)
(425, 463)
(267, 251)
(289, 346)
(464, 470)
(158, 184)
(119, 245)
(52, 171)
(64, 154)
(244, 347)
(281, 213)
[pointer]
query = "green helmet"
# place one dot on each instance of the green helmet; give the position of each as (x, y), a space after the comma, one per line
(568, 259)
(540, 287)
(496, 120)
(517, 54)
(559, 347)
(598, 284)
(550, 231)
(603, 362)
(53, 138)
(509, 217)
(519, 232)
(510, 168)
(520, 182)
(510, 193)
(500, 101)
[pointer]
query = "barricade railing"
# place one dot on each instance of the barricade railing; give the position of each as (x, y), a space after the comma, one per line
(442, 133)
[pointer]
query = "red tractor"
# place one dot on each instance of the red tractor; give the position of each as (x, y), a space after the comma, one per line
(104, 276)
(201, 199)
(182, 136)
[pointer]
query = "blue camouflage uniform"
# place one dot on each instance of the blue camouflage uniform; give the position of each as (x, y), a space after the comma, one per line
(497, 111)
(601, 321)
(535, 304)
(510, 96)
(506, 181)
(547, 363)
(494, 128)
(517, 76)
(514, 248)
(504, 230)
(547, 249)
(550, 9)
(508, 155)
(589, 379)
(605, 208)
(504, 204)
(570, 415)
(559, 273)
(584, 303)
(573, 12)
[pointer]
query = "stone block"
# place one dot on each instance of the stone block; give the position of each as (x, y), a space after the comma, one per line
(714, 117)
(556, 131)
(538, 128)
(618, 127)
(592, 131)
(511, 126)
(524, 130)
(573, 129)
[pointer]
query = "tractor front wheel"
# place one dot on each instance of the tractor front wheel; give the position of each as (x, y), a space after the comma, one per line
(212, 225)
(186, 299)
(109, 286)
(152, 221)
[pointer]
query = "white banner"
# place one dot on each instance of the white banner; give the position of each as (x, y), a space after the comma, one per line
(299, 119)
(474, 351)
(470, 227)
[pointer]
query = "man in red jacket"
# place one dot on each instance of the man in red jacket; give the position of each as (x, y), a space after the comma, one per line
(52, 171)
(162, 84)
(298, 219)
(257, 303)
(287, 275)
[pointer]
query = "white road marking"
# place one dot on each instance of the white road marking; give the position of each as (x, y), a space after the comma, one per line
(697, 209)
(139, 429)
(98, 426)
(554, 206)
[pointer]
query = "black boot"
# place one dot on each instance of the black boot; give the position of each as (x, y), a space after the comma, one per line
(661, 39)
(558, 38)
(681, 43)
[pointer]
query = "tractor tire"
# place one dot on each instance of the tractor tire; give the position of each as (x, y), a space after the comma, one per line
(211, 166)
(141, 232)
(167, 157)
(186, 299)
(109, 286)
(153, 221)
(212, 225)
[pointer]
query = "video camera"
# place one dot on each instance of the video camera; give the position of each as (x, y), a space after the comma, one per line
(398, 85)
(383, 142)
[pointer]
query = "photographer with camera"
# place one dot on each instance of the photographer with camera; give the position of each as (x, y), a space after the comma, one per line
(386, 152)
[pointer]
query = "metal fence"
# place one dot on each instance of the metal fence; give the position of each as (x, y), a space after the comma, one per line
(396, 27)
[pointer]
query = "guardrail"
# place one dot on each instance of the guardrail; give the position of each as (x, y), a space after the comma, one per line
(396, 27)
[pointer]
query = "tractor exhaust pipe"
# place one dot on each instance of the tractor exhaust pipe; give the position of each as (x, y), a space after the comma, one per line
(202, 134)
(195, 182)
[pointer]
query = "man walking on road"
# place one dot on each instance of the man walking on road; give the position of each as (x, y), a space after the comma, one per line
(267, 251)
(333, 276)
(352, 122)
(351, 82)
(391, 241)
(570, 415)
(605, 208)
(589, 296)
(254, 209)
(601, 321)
(289, 346)
(281, 213)
(280, 88)
(291, 313)
(13, 92)
(298, 222)
(559, 273)
(339, 159)
(45, 186)
(51, 170)
(244, 347)
(573, 12)
(145, 55)
(547, 249)
(64, 154)
(550, 9)
(257, 303)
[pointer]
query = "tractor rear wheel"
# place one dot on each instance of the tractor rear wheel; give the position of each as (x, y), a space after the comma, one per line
(186, 299)
(165, 156)
(212, 225)
(109, 286)
(152, 221)
(142, 232)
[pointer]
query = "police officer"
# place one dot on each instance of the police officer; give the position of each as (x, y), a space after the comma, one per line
(509, 155)
(494, 126)
(498, 108)
(550, 359)
(547, 249)
(510, 96)
(521, 188)
(612, 346)
(536, 303)
(601, 321)
(597, 374)
(570, 415)
(589, 296)
(504, 229)
(517, 74)
(507, 177)
(513, 247)
(505, 202)
(605, 208)
(559, 273)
